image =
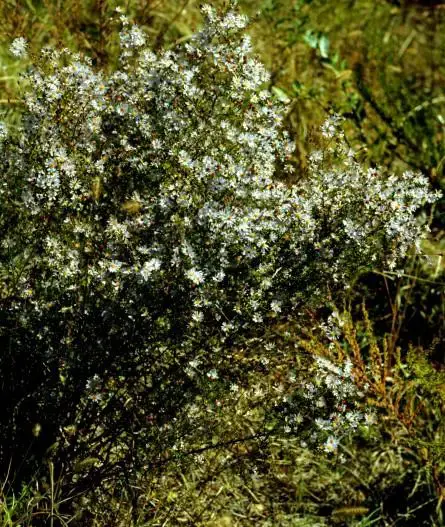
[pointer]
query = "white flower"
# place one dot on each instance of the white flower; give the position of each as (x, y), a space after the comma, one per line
(194, 363)
(197, 316)
(137, 37)
(149, 267)
(212, 375)
(18, 47)
(275, 305)
(131, 38)
(370, 419)
(114, 266)
(197, 277)
(331, 445)
(94, 383)
(330, 127)
(219, 277)
(3, 131)
(227, 327)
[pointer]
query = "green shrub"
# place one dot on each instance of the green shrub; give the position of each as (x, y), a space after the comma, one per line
(144, 235)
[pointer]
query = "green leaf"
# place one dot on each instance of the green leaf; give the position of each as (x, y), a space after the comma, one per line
(311, 39)
(323, 46)
(85, 464)
(281, 94)
(297, 87)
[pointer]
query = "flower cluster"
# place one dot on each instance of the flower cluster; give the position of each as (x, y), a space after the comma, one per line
(323, 407)
(340, 384)
(18, 47)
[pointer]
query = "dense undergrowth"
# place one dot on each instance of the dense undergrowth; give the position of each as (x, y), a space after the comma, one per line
(212, 312)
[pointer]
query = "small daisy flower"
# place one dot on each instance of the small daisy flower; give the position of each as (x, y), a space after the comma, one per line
(18, 48)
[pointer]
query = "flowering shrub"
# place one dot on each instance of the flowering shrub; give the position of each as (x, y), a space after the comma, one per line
(142, 226)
